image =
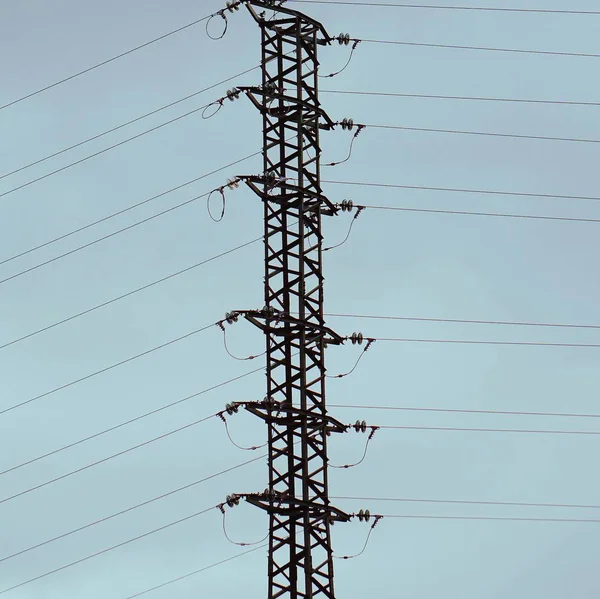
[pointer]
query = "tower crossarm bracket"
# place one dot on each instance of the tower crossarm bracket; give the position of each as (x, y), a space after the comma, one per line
(268, 322)
(288, 12)
(290, 506)
(286, 415)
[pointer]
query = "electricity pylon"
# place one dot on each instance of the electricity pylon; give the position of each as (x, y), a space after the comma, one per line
(297, 498)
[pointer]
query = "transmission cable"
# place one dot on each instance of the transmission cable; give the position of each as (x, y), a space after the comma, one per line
(489, 342)
(480, 48)
(111, 548)
(132, 420)
(483, 133)
(106, 369)
(465, 411)
(67, 166)
(130, 293)
(465, 502)
(464, 321)
(469, 98)
(487, 214)
(436, 7)
(173, 580)
(130, 51)
(103, 460)
(130, 509)
(497, 518)
(489, 430)
(122, 211)
(459, 190)
(135, 120)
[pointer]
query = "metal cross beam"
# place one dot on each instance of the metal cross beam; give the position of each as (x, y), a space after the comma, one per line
(297, 500)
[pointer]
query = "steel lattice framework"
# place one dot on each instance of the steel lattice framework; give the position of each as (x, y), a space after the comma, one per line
(297, 500)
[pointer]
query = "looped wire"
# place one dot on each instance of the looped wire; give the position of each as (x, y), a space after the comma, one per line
(218, 103)
(237, 542)
(340, 376)
(364, 455)
(375, 521)
(222, 192)
(253, 448)
(359, 128)
(221, 13)
(354, 45)
(233, 356)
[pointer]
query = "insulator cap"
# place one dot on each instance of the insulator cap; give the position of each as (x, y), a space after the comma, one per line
(232, 6)
(232, 500)
(347, 205)
(347, 124)
(364, 515)
(360, 426)
(343, 39)
(231, 408)
(231, 317)
(356, 338)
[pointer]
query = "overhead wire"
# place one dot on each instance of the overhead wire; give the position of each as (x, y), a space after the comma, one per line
(117, 145)
(174, 580)
(130, 509)
(466, 321)
(103, 551)
(104, 62)
(492, 518)
(130, 122)
(130, 421)
(467, 502)
(450, 7)
(465, 411)
(489, 430)
(480, 48)
(465, 98)
(489, 342)
(106, 459)
(130, 293)
(483, 133)
(127, 209)
(106, 369)
(465, 190)
(487, 214)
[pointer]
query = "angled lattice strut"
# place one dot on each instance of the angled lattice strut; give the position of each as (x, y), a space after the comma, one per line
(300, 554)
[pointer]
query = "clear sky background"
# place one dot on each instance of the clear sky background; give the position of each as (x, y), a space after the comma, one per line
(395, 263)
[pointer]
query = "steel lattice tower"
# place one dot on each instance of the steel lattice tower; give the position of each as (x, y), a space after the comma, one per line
(297, 499)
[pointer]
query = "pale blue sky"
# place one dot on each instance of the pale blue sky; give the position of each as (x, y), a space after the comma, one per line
(401, 264)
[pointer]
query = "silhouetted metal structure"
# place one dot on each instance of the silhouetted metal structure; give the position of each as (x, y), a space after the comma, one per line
(297, 501)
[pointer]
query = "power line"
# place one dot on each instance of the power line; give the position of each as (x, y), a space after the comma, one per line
(130, 509)
(465, 8)
(480, 48)
(484, 133)
(462, 190)
(223, 561)
(71, 164)
(135, 120)
(111, 548)
(122, 211)
(498, 518)
(103, 460)
(488, 214)
(130, 293)
(469, 98)
(464, 321)
(103, 370)
(104, 238)
(465, 502)
(467, 411)
(132, 420)
(489, 342)
(104, 62)
(489, 430)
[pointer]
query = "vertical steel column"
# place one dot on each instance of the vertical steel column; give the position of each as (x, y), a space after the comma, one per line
(300, 553)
